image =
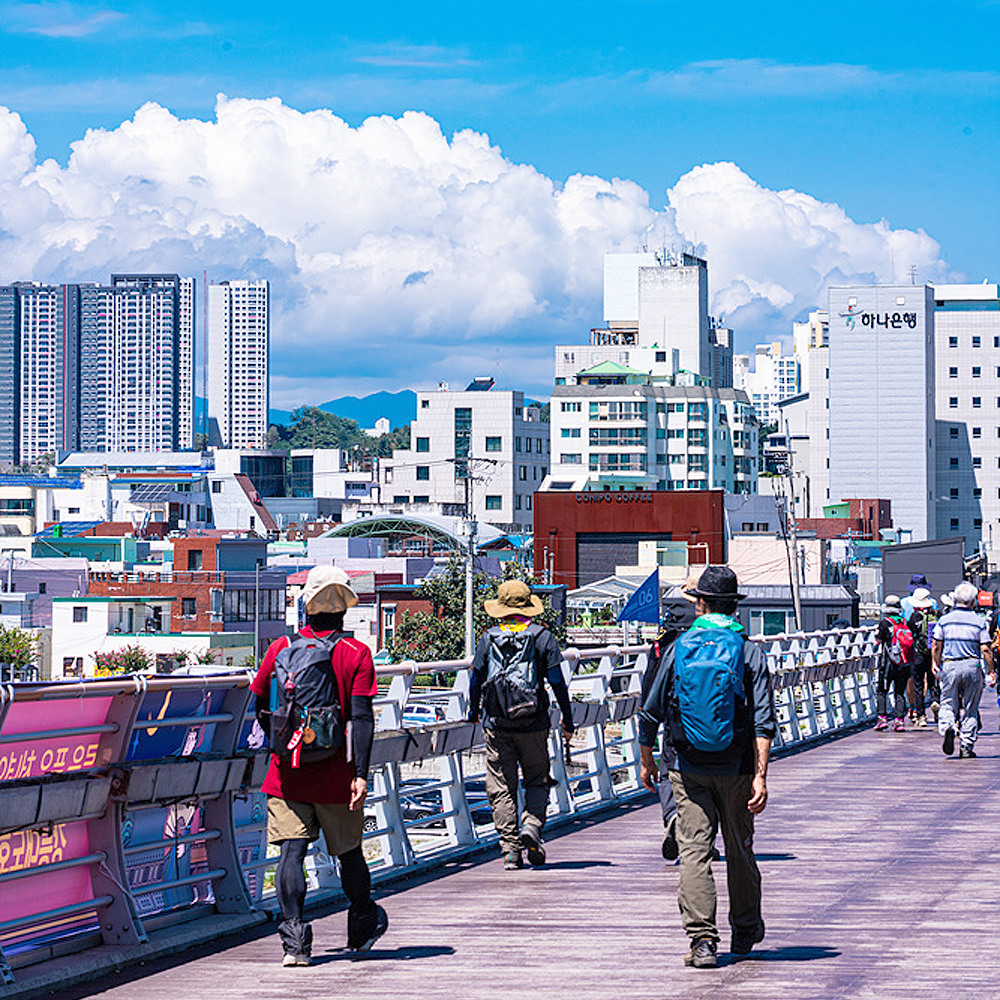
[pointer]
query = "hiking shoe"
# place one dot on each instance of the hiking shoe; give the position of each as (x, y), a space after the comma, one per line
(531, 841)
(702, 954)
(899, 726)
(512, 861)
(289, 960)
(920, 722)
(966, 752)
(882, 724)
(742, 942)
(364, 931)
(670, 850)
(948, 743)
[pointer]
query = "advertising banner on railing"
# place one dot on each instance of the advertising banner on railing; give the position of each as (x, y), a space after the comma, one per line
(36, 756)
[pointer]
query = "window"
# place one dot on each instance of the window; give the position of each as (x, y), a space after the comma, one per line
(42, 588)
(953, 372)
(771, 622)
(422, 498)
(189, 607)
(517, 502)
(977, 402)
(977, 372)
(571, 432)
(195, 559)
(953, 341)
(977, 493)
(423, 444)
(494, 503)
(522, 473)
(661, 356)
(953, 493)
(953, 402)
(953, 462)
(953, 432)
(953, 524)
(494, 444)
(977, 522)
(400, 499)
(538, 446)
(977, 432)
(977, 341)
(425, 404)
(977, 462)
(570, 407)
(80, 614)
(423, 472)
(517, 442)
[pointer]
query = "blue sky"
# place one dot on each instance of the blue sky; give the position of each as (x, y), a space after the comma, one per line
(887, 110)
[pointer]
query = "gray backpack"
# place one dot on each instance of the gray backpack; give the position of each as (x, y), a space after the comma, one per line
(511, 689)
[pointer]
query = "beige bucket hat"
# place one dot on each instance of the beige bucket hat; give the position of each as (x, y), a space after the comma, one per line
(514, 598)
(328, 590)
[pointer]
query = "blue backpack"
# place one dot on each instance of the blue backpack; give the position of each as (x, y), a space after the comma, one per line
(708, 702)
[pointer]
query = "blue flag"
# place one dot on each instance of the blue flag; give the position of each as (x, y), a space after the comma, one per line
(644, 604)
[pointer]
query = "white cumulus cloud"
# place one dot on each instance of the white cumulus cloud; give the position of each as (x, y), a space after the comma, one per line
(399, 256)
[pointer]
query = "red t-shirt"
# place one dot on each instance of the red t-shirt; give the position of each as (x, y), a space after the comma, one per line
(322, 780)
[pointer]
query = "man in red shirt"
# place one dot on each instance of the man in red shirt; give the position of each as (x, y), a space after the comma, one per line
(306, 796)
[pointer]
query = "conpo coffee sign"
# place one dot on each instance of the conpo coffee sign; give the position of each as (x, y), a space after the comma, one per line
(632, 496)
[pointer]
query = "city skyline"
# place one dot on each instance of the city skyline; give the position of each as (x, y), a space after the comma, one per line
(464, 232)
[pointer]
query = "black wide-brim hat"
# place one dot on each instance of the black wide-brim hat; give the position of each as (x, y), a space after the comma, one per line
(718, 582)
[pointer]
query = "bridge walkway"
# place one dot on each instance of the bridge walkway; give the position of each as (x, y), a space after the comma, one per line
(880, 881)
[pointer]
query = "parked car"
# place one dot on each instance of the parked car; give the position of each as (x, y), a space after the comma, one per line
(422, 715)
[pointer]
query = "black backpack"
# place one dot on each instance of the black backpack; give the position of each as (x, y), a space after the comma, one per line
(511, 689)
(922, 624)
(307, 723)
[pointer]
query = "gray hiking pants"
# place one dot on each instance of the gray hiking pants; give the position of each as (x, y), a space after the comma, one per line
(505, 753)
(704, 802)
(961, 689)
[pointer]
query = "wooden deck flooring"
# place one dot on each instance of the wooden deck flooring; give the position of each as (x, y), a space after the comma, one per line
(880, 881)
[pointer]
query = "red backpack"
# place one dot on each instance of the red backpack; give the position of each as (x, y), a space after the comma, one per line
(901, 642)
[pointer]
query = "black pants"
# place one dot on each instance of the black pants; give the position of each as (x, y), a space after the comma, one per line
(892, 678)
(923, 682)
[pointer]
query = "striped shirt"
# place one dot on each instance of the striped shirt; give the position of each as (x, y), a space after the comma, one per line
(963, 632)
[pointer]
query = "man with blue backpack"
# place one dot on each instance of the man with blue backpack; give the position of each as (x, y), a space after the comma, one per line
(713, 696)
(513, 660)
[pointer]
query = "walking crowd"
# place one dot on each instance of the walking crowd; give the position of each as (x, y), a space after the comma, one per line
(707, 687)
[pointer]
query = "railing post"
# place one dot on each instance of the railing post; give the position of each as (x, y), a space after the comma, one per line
(395, 842)
(461, 829)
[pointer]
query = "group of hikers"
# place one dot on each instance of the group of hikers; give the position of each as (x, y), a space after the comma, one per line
(707, 686)
(937, 657)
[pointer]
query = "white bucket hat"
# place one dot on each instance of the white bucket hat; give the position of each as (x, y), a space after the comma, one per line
(328, 590)
(922, 598)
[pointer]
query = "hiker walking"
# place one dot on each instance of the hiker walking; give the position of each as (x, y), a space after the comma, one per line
(896, 641)
(714, 697)
(960, 647)
(513, 660)
(921, 624)
(314, 700)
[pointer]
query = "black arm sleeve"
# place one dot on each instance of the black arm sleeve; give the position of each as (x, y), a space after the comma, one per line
(477, 677)
(362, 734)
(262, 709)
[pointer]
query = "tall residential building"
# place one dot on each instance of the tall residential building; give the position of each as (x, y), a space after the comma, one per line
(483, 445)
(967, 467)
(882, 400)
(656, 311)
(99, 368)
(775, 377)
(238, 331)
(652, 436)
(811, 335)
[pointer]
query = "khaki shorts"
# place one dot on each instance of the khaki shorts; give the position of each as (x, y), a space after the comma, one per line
(342, 828)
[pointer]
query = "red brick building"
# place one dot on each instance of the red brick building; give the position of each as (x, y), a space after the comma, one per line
(581, 537)
(863, 521)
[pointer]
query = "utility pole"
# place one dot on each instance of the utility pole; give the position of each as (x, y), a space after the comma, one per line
(792, 531)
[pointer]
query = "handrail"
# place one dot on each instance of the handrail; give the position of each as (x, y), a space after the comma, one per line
(138, 795)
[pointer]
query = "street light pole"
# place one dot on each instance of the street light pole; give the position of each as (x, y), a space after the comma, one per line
(256, 610)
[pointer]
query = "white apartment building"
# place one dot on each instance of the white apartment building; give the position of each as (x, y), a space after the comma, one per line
(814, 333)
(806, 418)
(483, 446)
(656, 311)
(238, 332)
(40, 328)
(967, 402)
(652, 436)
(775, 377)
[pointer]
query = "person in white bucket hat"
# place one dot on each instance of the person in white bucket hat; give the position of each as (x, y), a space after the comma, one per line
(321, 748)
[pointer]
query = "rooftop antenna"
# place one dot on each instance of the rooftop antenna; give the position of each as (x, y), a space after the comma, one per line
(913, 274)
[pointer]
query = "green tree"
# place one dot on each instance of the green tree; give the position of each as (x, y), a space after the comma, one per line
(17, 646)
(311, 427)
(439, 634)
(127, 660)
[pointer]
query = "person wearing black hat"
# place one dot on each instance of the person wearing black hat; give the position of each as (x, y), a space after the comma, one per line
(714, 695)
